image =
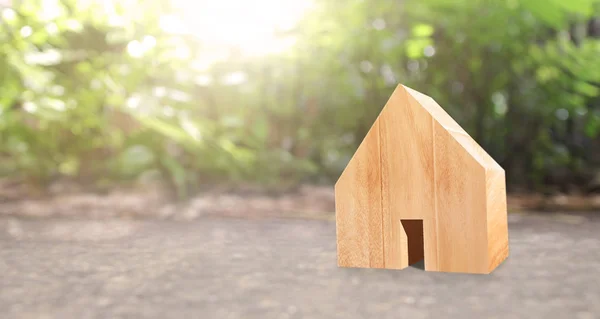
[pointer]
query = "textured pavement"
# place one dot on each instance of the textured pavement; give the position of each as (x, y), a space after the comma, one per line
(234, 268)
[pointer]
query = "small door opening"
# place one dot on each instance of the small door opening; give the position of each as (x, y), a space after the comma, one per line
(414, 232)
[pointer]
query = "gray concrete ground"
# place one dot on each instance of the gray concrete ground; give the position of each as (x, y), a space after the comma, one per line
(233, 268)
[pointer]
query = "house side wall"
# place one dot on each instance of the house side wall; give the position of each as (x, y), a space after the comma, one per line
(461, 204)
(497, 223)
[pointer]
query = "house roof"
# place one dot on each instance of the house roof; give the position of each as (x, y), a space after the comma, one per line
(439, 115)
(455, 130)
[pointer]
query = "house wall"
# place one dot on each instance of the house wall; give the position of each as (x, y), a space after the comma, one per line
(358, 208)
(406, 136)
(461, 207)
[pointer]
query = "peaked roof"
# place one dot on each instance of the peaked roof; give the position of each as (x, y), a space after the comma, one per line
(447, 122)
(439, 115)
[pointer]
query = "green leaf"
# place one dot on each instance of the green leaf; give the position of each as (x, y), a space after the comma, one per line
(167, 129)
(260, 129)
(415, 47)
(547, 11)
(587, 89)
(547, 73)
(422, 30)
(592, 128)
(583, 7)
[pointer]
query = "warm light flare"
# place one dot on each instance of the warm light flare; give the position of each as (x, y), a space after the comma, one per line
(250, 26)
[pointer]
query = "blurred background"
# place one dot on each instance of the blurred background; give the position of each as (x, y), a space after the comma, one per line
(275, 94)
(180, 109)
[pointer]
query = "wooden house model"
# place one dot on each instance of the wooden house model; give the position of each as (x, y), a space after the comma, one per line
(419, 187)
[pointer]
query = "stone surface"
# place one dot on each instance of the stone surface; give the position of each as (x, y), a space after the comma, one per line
(270, 268)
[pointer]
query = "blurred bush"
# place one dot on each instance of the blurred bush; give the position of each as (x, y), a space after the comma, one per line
(102, 91)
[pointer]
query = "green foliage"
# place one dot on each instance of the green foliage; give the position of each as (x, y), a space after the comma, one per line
(95, 93)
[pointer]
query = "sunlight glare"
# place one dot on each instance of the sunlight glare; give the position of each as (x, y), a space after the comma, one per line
(250, 26)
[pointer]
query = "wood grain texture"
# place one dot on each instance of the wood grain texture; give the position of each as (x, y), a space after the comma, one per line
(497, 223)
(417, 166)
(358, 199)
(406, 151)
(461, 202)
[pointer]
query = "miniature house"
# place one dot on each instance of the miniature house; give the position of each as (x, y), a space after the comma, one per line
(419, 187)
